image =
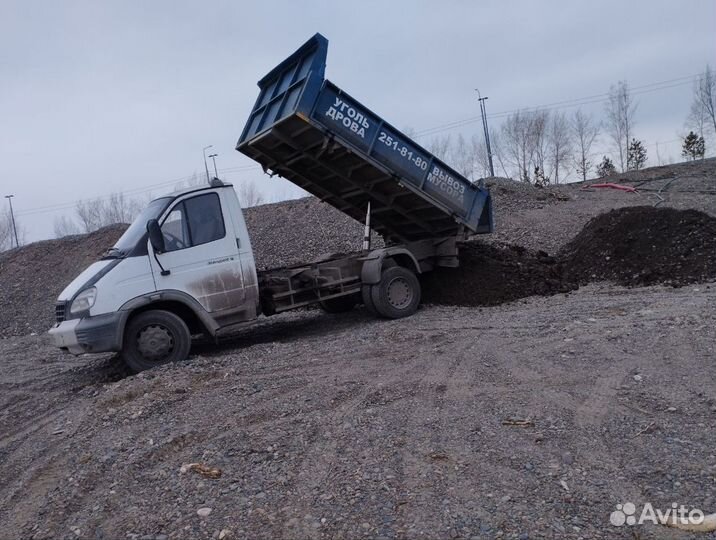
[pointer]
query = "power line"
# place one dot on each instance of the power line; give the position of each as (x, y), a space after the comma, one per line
(134, 191)
(587, 100)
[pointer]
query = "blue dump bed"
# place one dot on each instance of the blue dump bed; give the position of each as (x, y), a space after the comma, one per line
(307, 130)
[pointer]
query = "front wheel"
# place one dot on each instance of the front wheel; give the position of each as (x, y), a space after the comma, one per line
(397, 294)
(153, 338)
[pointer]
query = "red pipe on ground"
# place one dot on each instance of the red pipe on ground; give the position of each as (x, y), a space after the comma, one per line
(611, 185)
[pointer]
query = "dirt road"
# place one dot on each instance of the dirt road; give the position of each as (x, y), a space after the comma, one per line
(345, 426)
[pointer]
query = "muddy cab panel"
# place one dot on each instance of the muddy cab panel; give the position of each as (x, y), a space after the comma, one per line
(201, 255)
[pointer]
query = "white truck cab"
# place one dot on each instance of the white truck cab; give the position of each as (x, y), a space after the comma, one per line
(185, 266)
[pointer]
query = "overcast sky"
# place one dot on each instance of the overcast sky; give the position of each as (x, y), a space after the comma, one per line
(100, 97)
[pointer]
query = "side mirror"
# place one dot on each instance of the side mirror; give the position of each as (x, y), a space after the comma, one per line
(155, 236)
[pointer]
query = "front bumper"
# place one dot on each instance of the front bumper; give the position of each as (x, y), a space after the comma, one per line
(101, 333)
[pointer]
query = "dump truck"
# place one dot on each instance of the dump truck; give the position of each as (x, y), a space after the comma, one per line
(185, 266)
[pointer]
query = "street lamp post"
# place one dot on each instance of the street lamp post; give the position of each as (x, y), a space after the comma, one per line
(213, 158)
(483, 114)
(12, 217)
(206, 167)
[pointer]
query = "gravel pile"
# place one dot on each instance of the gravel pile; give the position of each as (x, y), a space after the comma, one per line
(293, 232)
(33, 276)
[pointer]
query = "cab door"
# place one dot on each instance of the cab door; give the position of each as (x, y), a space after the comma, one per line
(201, 256)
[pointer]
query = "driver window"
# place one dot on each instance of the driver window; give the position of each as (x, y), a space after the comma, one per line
(193, 222)
(174, 229)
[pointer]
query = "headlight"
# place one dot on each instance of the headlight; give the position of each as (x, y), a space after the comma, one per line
(84, 300)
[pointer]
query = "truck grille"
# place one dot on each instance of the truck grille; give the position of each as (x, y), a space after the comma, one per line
(60, 308)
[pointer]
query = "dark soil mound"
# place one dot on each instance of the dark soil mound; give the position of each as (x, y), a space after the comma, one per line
(643, 245)
(493, 274)
(32, 276)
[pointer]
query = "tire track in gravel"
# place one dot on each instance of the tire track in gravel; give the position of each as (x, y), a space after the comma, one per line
(426, 456)
(320, 458)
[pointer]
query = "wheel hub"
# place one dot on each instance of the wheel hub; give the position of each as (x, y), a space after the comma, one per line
(155, 342)
(400, 294)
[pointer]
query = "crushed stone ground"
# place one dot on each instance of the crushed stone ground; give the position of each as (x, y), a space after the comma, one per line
(344, 426)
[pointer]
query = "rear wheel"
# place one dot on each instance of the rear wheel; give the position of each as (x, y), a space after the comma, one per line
(153, 338)
(368, 300)
(340, 304)
(397, 294)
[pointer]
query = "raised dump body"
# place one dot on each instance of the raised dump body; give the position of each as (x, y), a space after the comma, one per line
(307, 130)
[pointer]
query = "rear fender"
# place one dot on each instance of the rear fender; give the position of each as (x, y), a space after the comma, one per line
(374, 261)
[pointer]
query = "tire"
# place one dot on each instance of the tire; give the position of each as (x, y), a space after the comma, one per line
(154, 338)
(368, 300)
(397, 294)
(341, 304)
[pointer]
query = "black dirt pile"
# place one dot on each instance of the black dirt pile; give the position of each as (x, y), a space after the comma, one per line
(31, 277)
(643, 245)
(293, 232)
(491, 274)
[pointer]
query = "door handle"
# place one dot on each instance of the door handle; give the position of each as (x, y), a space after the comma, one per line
(238, 243)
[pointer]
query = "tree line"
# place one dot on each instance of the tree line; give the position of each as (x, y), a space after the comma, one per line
(543, 146)
(92, 214)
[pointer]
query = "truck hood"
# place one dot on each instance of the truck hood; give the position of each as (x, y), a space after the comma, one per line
(80, 281)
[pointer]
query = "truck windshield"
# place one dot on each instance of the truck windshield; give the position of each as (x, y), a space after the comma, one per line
(139, 226)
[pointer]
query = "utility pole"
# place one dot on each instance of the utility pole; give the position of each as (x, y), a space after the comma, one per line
(206, 167)
(483, 113)
(213, 158)
(12, 217)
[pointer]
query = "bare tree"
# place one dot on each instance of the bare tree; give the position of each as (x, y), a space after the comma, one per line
(194, 180)
(121, 209)
(479, 151)
(65, 226)
(7, 237)
(249, 194)
(7, 233)
(88, 214)
(462, 157)
(518, 143)
(620, 111)
(526, 144)
(96, 213)
(560, 144)
(538, 131)
(585, 132)
(440, 146)
(498, 152)
(697, 120)
(703, 108)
